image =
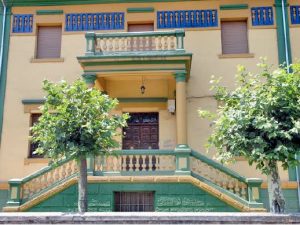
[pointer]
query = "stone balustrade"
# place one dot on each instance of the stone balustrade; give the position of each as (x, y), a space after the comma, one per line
(114, 43)
(137, 161)
(178, 162)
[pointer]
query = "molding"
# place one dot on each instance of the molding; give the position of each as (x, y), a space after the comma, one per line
(284, 185)
(234, 6)
(4, 63)
(4, 186)
(50, 12)
(77, 2)
(142, 100)
(28, 161)
(229, 56)
(138, 179)
(47, 60)
(180, 76)
(140, 10)
(33, 101)
(89, 78)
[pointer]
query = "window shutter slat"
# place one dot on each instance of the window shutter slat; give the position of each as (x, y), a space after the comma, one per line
(49, 42)
(234, 37)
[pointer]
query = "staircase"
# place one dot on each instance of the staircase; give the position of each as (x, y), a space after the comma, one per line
(181, 165)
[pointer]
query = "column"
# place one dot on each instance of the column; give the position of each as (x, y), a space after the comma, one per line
(182, 150)
(181, 119)
(90, 79)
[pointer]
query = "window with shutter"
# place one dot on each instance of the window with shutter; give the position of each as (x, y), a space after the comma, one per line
(48, 42)
(34, 118)
(234, 36)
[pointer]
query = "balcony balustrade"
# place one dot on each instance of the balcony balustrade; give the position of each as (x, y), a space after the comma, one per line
(122, 42)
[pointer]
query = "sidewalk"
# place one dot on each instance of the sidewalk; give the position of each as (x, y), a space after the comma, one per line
(148, 218)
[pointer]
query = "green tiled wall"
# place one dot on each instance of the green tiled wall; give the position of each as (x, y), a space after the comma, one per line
(3, 198)
(291, 198)
(168, 197)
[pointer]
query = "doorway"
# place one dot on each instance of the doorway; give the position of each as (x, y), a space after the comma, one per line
(142, 131)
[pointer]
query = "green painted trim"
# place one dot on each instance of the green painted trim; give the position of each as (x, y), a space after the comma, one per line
(89, 78)
(142, 100)
(292, 174)
(4, 66)
(180, 76)
(234, 6)
(140, 10)
(280, 32)
(33, 101)
(226, 192)
(134, 69)
(144, 152)
(218, 166)
(49, 12)
(133, 62)
(178, 32)
(148, 173)
(78, 2)
(142, 55)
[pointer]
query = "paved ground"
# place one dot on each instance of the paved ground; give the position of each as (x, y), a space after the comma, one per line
(148, 218)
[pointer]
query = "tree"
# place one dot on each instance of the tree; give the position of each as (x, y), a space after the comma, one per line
(260, 120)
(76, 122)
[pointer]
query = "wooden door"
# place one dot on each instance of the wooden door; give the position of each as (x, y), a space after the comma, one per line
(142, 131)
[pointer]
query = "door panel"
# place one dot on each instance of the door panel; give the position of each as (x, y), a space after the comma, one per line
(142, 131)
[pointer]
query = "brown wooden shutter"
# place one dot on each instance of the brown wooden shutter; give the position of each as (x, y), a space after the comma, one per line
(140, 27)
(49, 42)
(234, 37)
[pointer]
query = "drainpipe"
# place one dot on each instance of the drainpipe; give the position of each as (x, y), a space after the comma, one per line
(285, 35)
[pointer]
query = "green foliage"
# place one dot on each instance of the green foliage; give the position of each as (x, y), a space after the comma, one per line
(260, 118)
(76, 121)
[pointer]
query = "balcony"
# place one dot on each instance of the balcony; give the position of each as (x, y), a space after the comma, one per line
(163, 49)
(169, 42)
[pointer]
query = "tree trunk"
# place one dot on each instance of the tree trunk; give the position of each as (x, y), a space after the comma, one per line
(276, 199)
(82, 185)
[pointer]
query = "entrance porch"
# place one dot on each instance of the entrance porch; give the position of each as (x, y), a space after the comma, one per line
(147, 72)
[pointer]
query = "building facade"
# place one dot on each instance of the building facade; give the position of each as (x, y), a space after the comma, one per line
(156, 58)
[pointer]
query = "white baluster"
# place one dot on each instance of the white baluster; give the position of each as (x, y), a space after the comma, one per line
(165, 43)
(144, 163)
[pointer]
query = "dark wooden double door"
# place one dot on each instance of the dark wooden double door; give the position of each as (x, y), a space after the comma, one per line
(141, 132)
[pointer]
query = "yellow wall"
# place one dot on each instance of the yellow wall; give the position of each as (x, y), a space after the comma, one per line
(24, 77)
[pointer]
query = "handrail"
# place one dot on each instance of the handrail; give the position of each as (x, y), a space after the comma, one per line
(144, 152)
(139, 34)
(218, 166)
(45, 170)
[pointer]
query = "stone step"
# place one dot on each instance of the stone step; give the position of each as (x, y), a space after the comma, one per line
(148, 218)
